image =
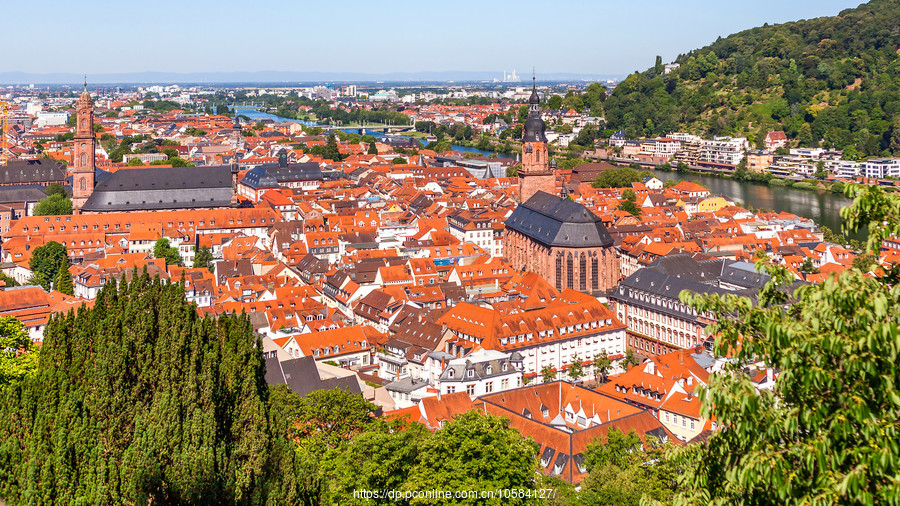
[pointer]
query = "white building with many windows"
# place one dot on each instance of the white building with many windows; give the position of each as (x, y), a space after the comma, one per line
(881, 168)
(481, 372)
(723, 150)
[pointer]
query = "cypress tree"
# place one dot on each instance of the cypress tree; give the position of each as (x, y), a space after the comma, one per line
(63, 281)
(138, 399)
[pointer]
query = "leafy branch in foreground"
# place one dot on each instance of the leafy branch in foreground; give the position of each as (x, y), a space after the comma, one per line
(829, 430)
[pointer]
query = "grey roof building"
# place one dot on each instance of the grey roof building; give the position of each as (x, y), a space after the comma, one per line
(161, 188)
(302, 376)
(275, 176)
(553, 221)
(42, 172)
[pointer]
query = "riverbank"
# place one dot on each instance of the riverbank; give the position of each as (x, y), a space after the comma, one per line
(816, 185)
(836, 187)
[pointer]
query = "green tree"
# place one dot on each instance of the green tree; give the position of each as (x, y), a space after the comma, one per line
(828, 235)
(56, 189)
(826, 432)
(398, 161)
(555, 102)
(475, 452)
(373, 149)
(630, 207)
(576, 369)
(18, 356)
(46, 261)
(54, 205)
(203, 259)
(864, 262)
(630, 358)
(134, 162)
(63, 281)
(620, 177)
(602, 365)
(138, 399)
(808, 267)
(522, 113)
(624, 471)
(381, 457)
(619, 449)
(162, 249)
(548, 374)
(821, 172)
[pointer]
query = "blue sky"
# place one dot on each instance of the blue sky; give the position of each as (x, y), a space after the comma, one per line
(589, 37)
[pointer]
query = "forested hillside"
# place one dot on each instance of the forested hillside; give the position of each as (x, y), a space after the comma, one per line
(830, 81)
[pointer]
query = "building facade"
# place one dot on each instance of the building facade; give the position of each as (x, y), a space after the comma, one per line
(563, 242)
(536, 173)
(85, 147)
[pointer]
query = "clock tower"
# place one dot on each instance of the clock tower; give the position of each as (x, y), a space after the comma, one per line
(85, 144)
(537, 173)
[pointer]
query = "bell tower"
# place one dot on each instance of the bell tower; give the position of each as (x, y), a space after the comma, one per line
(536, 173)
(85, 144)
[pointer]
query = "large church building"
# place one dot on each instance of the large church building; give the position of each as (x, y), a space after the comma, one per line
(557, 238)
(146, 188)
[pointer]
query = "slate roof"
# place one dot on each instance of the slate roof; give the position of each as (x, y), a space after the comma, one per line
(32, 171)
(667, 288)
(21, 193)
(302, 376)
(270, 176)
(685, 266)
(554, 221)
(160, 188)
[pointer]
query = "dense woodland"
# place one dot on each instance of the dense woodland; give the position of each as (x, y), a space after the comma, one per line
(830, 82)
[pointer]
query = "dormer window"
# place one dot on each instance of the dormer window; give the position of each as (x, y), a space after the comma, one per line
(450, 373)
(471, 373)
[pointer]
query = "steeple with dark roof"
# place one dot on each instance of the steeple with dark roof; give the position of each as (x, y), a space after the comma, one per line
(534, 125)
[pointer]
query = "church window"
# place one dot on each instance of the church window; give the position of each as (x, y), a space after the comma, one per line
(84, 162)
(559, 272)
(594, 274)
(582, 275)
(82, 184)
(570, 272)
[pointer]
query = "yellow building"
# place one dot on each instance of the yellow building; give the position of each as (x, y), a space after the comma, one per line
(759, 161)
(712, 204)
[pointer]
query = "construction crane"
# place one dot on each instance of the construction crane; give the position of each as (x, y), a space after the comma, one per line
(4, 124)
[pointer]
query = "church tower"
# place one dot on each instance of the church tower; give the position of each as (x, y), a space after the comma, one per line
(536, 173)
(85, 143)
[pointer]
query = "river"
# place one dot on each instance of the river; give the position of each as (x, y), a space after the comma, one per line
(257, 115)
(822, 207)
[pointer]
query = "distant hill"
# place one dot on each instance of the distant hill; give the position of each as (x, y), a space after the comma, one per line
(829, 81)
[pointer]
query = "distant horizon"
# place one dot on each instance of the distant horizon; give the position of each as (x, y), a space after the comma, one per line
(593, 40)
(287, 78)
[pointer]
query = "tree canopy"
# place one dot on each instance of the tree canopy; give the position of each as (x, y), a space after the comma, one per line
(54, 204)
(139, 400)
(162, 249)
(46, 262)
(619, 177)
(827, 432)
(829, 79)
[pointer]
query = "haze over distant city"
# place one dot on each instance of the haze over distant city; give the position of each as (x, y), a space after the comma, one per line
(229, 40)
